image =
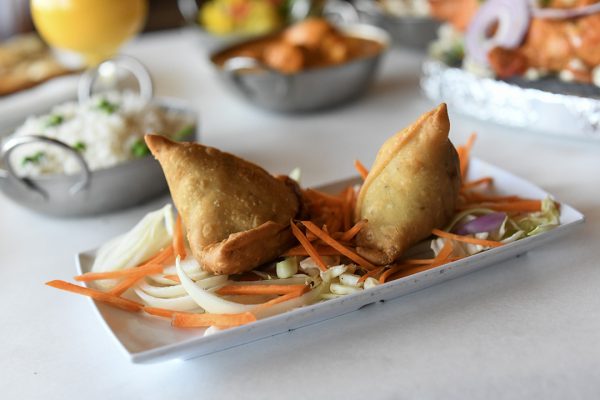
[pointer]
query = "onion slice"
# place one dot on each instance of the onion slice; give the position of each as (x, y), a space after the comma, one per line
(512, 17)
(485, 223)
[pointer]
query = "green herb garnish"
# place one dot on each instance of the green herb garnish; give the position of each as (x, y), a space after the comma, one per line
(107, 106)
(54, 120)
(454, 56)
(184, 132)
(139, 149)
(33, 159)
(80, 147)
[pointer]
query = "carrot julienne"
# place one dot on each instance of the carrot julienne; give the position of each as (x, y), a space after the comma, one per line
(110, 299)
(361, 169)
(159, 312)
(259, 289)
(132, 279)
(285, 297)
(178, 239)
(466, 239)
(514, 206)
(173, 278)
(336, 245)
(322, 250)
(371, 273)
(350, 233)
(188, 320)
(465, 154)
(477, 182)
(308, 246)
(151, 266)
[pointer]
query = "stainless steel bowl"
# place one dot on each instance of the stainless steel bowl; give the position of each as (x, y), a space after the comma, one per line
(335, 10)
(309, 90)
(89, 192)
(407, 31)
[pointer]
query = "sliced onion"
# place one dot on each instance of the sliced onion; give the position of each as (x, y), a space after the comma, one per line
(485, 223)
(562, 13)
(209, 301)
(183, 303)
(512, 17)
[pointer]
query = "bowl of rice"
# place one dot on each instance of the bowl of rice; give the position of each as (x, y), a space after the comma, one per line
(89, 157)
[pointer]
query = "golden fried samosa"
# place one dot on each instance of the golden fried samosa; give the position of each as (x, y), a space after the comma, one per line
(236, 214)
(411, 189)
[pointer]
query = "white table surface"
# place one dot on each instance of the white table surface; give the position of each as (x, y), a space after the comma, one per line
(527, 328)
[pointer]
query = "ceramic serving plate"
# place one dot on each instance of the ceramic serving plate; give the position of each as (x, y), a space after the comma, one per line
(147, 339)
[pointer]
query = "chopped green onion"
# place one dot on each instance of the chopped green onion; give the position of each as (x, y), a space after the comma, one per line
(54, 120)
(184, 132)
(139, 149)
(107, 106)
(33, 159)
(80, 146)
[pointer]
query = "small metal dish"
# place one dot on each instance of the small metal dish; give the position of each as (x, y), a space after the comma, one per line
(309, 90)
(407, 31)
(91, 192)
(335, 10)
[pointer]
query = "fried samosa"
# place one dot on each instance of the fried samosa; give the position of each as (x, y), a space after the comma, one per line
(236, 214)
(411, 189)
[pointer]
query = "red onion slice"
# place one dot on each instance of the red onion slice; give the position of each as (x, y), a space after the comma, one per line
(512, 17)
(485, 223)
(562, 13)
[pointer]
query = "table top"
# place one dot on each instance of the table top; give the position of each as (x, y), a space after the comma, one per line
(524, 328)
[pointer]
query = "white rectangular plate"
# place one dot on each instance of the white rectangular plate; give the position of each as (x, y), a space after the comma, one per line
(148, 339)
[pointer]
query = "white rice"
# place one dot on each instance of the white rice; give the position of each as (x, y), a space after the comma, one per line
(104, 138)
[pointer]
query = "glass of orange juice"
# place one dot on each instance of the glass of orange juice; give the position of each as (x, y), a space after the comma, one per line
(93, 29)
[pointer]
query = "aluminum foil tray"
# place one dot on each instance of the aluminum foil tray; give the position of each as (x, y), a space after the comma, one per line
(541, 109)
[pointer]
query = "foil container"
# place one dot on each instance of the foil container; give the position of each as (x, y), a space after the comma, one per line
(515, 105)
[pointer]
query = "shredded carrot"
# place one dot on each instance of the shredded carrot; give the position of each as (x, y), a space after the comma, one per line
(465, 154)
(259, 289)
(188, 320)
(320, 249)
(178, 239)
(466, 239)
(513, 206)
(285, 297)
(444, 253)
(395, 268)
(122, 273)
(474, 197)
(308, 246)
(336, 245)
(361, 169)
(348, 206)
(174, 278)
(160, 312)
(371, 273)
(350, 233)
(488, 180)
(107, 298)
(151, 266)
(405, 269)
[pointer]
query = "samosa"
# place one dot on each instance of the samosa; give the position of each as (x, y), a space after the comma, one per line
(411, 189)
(236, 214)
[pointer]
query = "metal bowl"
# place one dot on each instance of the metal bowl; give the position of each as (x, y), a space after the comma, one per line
(90, 192)
(408, 31)
(308, 90)
(335, 10)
